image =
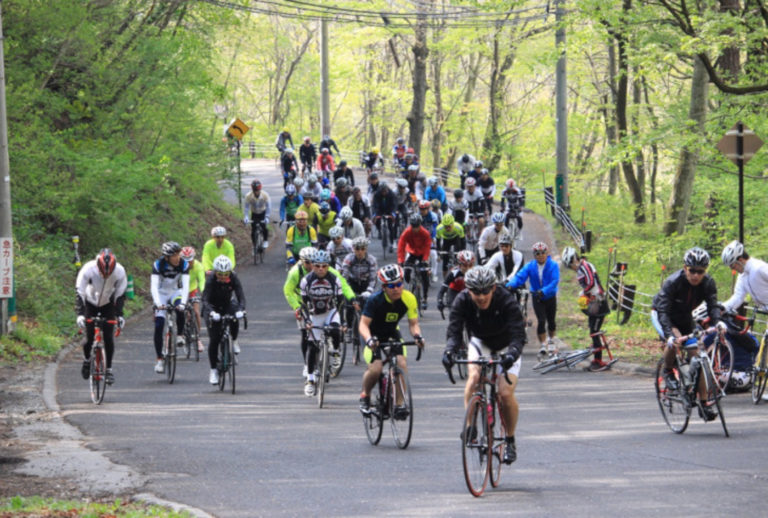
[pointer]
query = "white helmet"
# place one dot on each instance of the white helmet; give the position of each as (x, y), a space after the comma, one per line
(569, 254)
(739, 380)
(222, 264)
(432, 181)
(733, 251)
(311, 179)
(346, 213)
(218, 232)
(306, 253)
(401, 182)
(336, 232)
(298, 182)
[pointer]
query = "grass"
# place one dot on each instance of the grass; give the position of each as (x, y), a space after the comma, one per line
(46, 507)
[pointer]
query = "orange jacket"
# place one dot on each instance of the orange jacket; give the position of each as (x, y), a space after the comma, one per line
(414, 241)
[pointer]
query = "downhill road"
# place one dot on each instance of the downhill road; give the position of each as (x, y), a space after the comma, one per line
(589, 444)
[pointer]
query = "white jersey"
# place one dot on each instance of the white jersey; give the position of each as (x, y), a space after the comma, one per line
(95, 289)
(489, 239)
(498, 264)
(352, 231)
(339, 252)
(754, 281)
(465, 167)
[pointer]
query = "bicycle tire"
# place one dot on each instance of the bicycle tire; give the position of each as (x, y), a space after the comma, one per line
(714, 393)
(401, 428)
(384, 238)
(320, 383)
(759, 372)
(758, 386)
(170, 347)
(673, 404)
(497, 440)
(342, 356)
(97, 378)
(546, 362)
(722, 417)
(475, 452)
(462, 355)
(256, 243)
(232, 364)
(577, 356)
(223, 364)
(558, 361)
(373, 421)
(722, 362)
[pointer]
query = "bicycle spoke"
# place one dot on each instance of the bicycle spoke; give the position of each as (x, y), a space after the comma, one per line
(672, 402)
(474, 446)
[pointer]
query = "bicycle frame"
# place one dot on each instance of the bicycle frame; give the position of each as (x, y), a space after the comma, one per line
(226, 355)
(98, 368)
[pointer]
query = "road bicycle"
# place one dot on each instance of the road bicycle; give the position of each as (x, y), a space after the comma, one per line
(416, 275)
(448, 258)
(226, 359)
(191, 329)
(324, 371)
(351, 336)
(483, 433)
(97, 380)
(170, 334)
(391, 399)
(694, 376)
(386, 239)
(571, 358)
(759, 373)
(257, 241)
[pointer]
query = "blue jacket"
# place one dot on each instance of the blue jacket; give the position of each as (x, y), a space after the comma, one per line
(530, 273)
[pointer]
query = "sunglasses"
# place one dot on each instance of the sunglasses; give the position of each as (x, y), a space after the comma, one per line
(317, 265)
(222, 274)
(505, 244)
(697, 271)
(540, 253)
(484, 291)
(393, 285)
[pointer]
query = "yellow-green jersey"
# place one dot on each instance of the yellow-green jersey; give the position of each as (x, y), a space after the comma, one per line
(211, 252)
(196, 277)
(385, 314)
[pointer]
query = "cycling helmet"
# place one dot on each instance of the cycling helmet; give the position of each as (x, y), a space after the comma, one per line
(510, 183)
(325, 208)
(325, 194)
(424, 205)
(222, 264)
(700, 313)
(458, 193)
(505, 239)
(324, 151)
(311, 179)
(432, 181)
(170, 248)
(484, 171)
(435, 204)
(256, 185)
(306, 139)
(306, 253)
(540, 246)
(400, 140)
(290, 189)
(479, 278)
(390, 273)
(470, 182)
(479, 163)
(696, 257)
(733, 251)
(497, 217)
(326, 137)
(373, 176)
(739, 380)
(466, 258)
(105, 261)
(346, 214)
(301, 214)
(383, 185)
(341, 182)
(342, 163)
(187, 253)
(402, 182)
(298, 182)
(360, 243)
(374, 150)
(336, 232)
(465, 158)
(421, 177)
(218, 232)
(415, 220)
(289, 151)
(448, 220)
(413, 167)
(285, 130)
(568, 255)
(325, 181)
(321, 257)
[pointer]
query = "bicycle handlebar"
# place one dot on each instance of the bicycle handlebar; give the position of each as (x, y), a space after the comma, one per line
(483, 360)
(392, 343)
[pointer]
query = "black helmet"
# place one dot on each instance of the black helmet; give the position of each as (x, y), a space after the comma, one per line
(416, 220)
(696, 257)
(170, 248)
(479, 278)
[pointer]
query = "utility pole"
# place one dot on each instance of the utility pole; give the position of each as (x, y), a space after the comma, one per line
(6, 251)
(325, 109)
(561, 111)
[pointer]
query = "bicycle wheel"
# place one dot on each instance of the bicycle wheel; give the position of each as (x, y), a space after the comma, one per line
(373, 421)
(170, 348)
(335, 371)
(557, 361)
(322, 361)
(714, 394)
(474, 446)
(497, 440)
(384, 238)
(223, 364)
(672, 402)
(257, 252)
(232, 364)
(577, 356)
(188, 334)
(415, 286)
(401, 418)
(462, 355)
(760, 373)
(98, 379)
(721, 353)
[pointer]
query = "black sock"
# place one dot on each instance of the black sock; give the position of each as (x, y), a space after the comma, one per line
(510, 439)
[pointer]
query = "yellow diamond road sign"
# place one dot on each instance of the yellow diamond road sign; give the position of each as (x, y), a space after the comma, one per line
(728, 144)
(237, 129)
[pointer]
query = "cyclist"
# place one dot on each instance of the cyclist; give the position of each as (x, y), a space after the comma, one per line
(339, 246)
(218, 302)
(403, 196)
(512, 204)
(372, 159)
(283, 139)
(324, 221)
(310, 207)
(450, 237)
(379, 323)
(344, 171)
(100, 287)
(412, 177)
(342, 191)
(494, 322)
(290, 204)
(430, 220)
(328, 196)
(299, 236)
(216, 246)
(476, 172)
(507, 261)
(308, 155)
(361, 208)
(420, 185)
(196, 285)
(543, 276)
(288, 166)
(458, 207)
(359, 269)
(312, 188)
(169, 285)
(414, 247)
(384, 206)
(453, 283)
(488, 242)
(322, 294)
(325, 164)
(329, 144)
(373, 185)
(752, 279)
(464, 165)
(488, 188)
(352, 227)
(398, 153)
(435, 191)
(673, 305)
(257, 202)
(475, 202)
(592, 293)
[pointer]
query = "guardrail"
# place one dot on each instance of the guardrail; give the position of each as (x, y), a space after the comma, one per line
(582, 239)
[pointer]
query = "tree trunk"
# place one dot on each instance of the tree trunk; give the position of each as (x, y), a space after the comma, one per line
(610, 117)
(679, 203)
(729, 61)
(420, 52)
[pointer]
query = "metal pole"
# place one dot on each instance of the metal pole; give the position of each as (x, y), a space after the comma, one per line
(561, 109)
(325, 109)
(6, 229)
(740, 163)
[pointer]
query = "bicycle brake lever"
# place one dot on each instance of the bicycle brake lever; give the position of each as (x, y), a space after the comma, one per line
(449, 372)
(418, 355)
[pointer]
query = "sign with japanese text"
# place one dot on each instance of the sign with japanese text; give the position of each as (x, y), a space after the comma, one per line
(6, 267)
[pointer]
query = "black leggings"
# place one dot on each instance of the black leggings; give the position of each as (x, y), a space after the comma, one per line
(215, 331)
(107, 330)
(545, 314)
(160, 323)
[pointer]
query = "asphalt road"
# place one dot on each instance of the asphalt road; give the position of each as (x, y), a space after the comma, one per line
(589, 444)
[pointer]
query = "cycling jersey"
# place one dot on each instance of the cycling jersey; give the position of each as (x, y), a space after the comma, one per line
(415, 241)
(403, 196)
(307, 153)
(398, 152)
(94, 289)
(385, 314)
(753, 281)
(324, 222)
(511, 200)
(384, 204)
(289, 205)
(217, 294)
(288, 163)
(196, 276)
(455, 232)
(360, 273)
(325, 163)
(344, 172)
(487, 186)
(465, 167)
(677, 299)
(311, 191)
(454, 281)
(312, 209)
(489, 240)
(588, 279)
(505, 266)
(282, 140)
(360, 208)
(211, 251)
(435, 193)
(352, 230)
(258, 204)
(291, 286)
(475, 201)
(458, 209)
(321, 294)
(295, 239)
(167, 280)
(339, 251)
(370, 160)
(330, 145)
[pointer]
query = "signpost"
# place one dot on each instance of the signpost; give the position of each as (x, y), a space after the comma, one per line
(236, 129)
(739, 145)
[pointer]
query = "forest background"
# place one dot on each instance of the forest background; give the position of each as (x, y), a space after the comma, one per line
(116, 110)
